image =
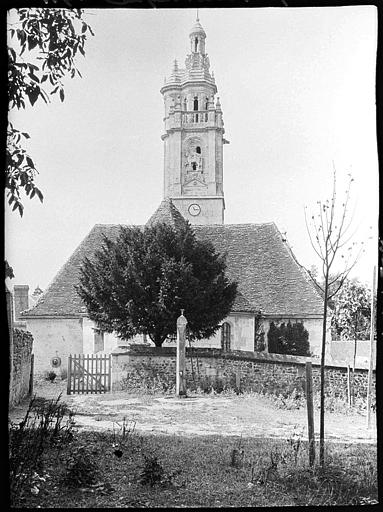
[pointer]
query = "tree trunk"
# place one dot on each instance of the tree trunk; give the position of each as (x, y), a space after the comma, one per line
(322, 365)
(354, 359)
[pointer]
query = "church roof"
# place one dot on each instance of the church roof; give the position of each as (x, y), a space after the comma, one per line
(268, 277)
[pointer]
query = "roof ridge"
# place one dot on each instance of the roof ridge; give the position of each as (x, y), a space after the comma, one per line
(60, 272)
(301, 268)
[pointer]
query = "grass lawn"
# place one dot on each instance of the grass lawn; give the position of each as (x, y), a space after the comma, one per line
(185, 471)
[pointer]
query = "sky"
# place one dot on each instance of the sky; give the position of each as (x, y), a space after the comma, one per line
(297, 89)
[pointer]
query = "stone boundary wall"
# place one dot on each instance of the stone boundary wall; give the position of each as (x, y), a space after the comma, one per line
(22, 361)
(249, 371)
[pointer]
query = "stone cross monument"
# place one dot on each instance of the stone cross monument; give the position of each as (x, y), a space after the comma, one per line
(180, 362)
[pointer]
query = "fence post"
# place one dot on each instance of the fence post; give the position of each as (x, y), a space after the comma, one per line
(69, 377)
(370, 367)
(348, 386)
(180, 362)
(110, 373)
(31, 374)
(238, 380)
(310, 412)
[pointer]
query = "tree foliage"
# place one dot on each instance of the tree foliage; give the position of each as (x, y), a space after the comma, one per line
(42, 47)
(290, 338)
(139, 283)
(351, 313)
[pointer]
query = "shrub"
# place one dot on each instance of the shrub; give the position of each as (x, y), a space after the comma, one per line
(147, 380)
(153, 472)
(80, 466)
(51, 376)
(292, 339)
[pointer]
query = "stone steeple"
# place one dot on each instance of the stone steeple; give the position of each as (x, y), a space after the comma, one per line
(193, 138)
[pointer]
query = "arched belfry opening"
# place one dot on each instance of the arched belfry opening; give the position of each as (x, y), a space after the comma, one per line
(195, 103)
(196, 44)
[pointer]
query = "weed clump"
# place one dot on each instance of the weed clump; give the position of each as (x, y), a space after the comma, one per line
(43, 426)
(80, 466)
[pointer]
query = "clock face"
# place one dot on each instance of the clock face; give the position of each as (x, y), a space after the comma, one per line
(194, 209)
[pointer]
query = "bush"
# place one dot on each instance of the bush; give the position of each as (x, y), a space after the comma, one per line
(153, 472)
(51, 376)
(292, 339)
(80, 466)
(148, 381)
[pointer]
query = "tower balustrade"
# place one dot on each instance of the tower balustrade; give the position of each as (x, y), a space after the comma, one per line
(195, 117)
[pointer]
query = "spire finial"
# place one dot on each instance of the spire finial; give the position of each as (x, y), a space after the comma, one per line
(197, 16)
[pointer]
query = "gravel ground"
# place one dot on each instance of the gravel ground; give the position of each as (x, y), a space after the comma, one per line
(245, 415)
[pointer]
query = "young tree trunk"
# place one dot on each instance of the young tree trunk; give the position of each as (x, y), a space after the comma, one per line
(322, 377)
(354, 359)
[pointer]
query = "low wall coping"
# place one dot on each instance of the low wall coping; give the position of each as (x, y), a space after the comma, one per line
(235, 355)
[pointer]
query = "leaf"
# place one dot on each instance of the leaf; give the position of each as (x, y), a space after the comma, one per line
(32, 43)
(39, 194)
(62, 94)
(26, 135)
(33, 95)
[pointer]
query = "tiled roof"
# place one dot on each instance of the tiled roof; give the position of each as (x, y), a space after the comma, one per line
(268, 277)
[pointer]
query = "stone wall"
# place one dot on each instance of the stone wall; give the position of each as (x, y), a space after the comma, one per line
(251, 371)
(22, 360)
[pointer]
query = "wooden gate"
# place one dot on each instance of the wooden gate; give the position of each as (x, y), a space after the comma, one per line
(89, 373)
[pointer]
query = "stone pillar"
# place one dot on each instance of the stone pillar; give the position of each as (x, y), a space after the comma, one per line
(21, 299)
(180, 362)
(9, 302)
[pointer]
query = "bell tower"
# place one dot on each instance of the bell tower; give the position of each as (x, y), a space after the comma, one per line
(193, 138)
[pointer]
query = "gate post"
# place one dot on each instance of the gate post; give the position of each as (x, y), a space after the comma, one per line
(69, 377)
(180, 361)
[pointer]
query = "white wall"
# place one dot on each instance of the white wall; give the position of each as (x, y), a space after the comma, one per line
(54, 337)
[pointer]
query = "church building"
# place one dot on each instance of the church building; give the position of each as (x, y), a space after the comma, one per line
(272, 287)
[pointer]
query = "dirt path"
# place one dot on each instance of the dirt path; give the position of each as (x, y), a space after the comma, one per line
(248, 416)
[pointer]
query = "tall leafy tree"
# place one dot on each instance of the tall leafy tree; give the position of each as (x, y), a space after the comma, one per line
(139, 283)
(351, 314)
(43, 45)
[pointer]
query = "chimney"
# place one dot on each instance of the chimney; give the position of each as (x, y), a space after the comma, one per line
(20, 299)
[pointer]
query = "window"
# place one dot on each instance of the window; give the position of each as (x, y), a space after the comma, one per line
(194, 166)
(185, 104)
(206, 103)
(196, 44)
(195, 104)
(99, 344)
(198, 150)
(225, 336)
